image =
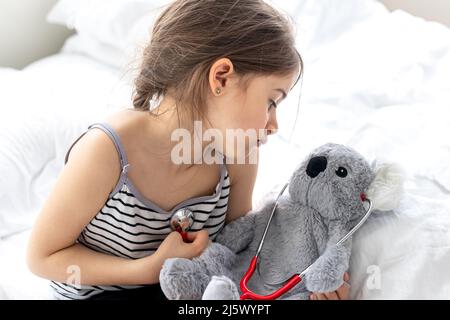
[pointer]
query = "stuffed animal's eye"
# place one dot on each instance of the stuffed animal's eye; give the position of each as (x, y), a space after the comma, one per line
(341, 172)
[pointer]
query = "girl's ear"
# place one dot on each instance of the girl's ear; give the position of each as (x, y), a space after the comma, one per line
(219, 74)
(386, 188)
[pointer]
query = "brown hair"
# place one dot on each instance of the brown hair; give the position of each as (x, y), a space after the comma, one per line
(190, 35)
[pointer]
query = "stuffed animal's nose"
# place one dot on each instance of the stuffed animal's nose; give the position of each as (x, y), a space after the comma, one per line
(315, 166)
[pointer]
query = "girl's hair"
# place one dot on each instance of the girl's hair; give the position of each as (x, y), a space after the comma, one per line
(190, 35)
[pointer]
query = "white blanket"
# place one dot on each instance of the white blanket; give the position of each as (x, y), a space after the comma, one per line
(374, 80)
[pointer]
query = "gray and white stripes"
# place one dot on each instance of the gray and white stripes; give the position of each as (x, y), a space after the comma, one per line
(132, 226)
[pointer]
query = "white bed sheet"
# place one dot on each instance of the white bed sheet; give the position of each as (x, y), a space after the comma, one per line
(397, 109)
(43, 109)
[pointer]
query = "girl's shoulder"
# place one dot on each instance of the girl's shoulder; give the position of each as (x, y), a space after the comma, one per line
(96, 149)
(127, 122)
(98, 144)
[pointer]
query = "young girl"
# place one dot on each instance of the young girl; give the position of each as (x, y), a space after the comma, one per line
(104, 231)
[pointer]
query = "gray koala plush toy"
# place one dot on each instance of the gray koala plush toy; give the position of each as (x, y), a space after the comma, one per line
(322, 205)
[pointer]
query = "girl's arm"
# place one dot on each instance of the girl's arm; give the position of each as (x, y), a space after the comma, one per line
(238, 233)
(80, 192)
(242, 180)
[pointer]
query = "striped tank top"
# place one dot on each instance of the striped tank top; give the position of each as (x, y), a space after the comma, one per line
(132, 226)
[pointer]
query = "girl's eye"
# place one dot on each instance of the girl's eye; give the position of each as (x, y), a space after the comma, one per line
(272, 104)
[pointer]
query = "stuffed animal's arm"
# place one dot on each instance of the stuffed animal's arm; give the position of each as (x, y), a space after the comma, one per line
(327, 272)
(237, 234)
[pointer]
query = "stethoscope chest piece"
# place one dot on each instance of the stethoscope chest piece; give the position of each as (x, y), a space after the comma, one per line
(182, 220)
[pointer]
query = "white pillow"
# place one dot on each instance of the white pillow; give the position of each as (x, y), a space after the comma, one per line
(33, 140)
(43, 109)
(108, 21)
(114, 30)
(320, 22)
(109, 30)
(99, 51)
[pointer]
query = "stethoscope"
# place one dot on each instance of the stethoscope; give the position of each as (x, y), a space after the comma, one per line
(247, 294)
(183, 219)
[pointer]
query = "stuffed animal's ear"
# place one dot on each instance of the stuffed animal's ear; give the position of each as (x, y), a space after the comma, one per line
(387, 186)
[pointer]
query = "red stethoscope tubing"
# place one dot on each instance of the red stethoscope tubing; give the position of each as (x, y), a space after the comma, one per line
(247, 294)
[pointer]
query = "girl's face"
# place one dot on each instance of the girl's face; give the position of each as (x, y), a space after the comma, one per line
(251, 109)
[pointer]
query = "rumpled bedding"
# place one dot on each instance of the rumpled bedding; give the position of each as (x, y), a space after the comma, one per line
(375, 80)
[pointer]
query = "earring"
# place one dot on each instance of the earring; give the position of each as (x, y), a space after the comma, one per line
(218, 91)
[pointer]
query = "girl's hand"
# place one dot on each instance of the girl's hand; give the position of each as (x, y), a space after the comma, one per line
(173, 245)
(340, 294)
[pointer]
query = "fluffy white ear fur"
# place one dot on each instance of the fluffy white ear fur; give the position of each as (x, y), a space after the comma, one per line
(386, 189)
